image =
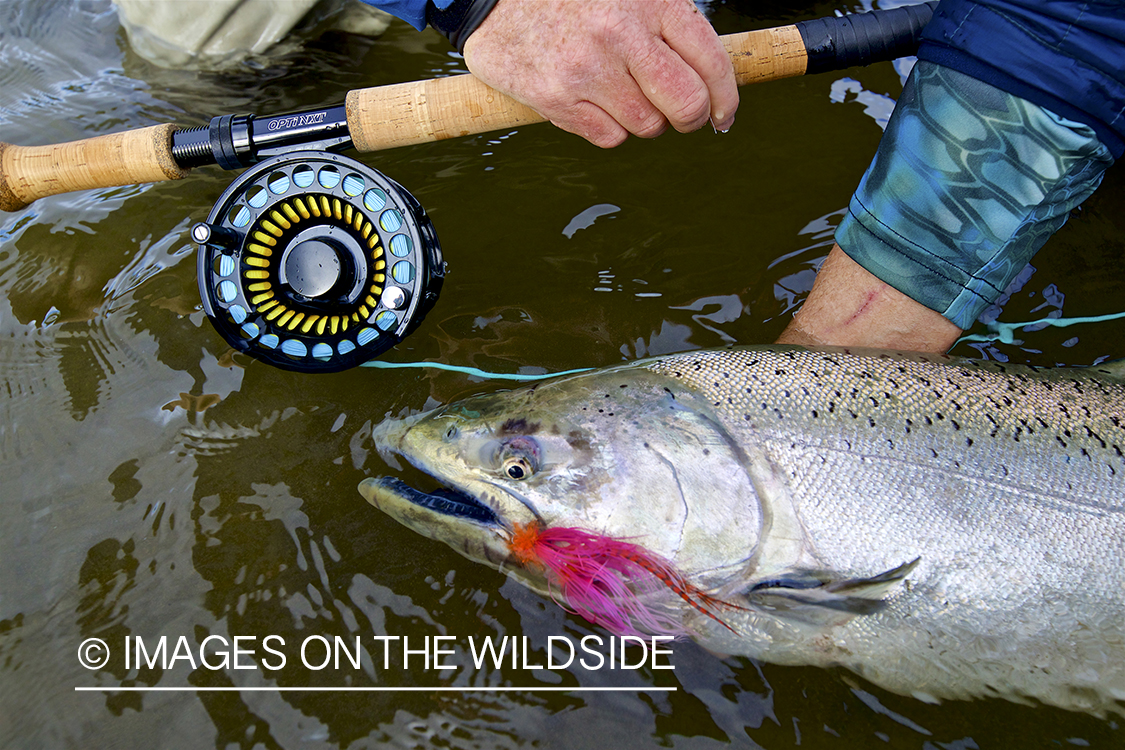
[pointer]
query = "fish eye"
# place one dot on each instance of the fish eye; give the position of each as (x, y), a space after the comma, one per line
(515, 458)
(516, 467)
(452, 432)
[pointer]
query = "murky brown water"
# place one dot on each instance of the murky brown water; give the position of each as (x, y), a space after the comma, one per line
(152, 486)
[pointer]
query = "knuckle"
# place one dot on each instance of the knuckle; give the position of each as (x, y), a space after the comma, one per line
(650, 127)
(692, 111)
(591, 123)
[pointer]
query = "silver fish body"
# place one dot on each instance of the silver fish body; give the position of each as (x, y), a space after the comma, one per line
(945, 528)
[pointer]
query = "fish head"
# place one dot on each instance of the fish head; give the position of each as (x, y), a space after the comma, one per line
(622, 453)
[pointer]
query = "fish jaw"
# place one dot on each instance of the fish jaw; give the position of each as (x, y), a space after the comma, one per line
(455, 518)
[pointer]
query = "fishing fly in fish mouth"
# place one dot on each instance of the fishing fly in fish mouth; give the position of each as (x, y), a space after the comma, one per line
(947, 529)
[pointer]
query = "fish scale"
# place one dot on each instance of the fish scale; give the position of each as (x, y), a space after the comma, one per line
(999, 477)
(979, 417)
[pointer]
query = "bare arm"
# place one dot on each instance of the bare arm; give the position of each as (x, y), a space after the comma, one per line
(848, 306)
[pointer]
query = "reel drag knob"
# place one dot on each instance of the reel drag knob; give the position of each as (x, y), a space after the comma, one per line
(314, 262)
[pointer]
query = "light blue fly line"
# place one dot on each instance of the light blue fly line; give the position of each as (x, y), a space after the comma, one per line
(1005, 332)
(470, 370)
(1002, 332)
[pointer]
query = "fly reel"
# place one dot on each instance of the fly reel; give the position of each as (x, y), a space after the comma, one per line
(315, 262)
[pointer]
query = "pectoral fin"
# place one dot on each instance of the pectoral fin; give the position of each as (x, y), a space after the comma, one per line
(816, 597)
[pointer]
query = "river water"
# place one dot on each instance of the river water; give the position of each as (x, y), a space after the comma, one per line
(155, 486)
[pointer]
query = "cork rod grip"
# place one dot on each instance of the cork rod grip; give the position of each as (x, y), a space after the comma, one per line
(404, 114)
(378, 118)
(28, 173)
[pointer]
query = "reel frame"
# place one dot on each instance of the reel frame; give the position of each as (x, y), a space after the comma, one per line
(313, 261)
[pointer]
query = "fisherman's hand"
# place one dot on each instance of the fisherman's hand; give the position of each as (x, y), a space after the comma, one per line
(605, 69)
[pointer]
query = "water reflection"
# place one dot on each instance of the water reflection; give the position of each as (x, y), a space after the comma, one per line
(154, 484)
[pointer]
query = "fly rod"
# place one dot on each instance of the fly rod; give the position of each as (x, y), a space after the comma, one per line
(404, 114)
(315, 262)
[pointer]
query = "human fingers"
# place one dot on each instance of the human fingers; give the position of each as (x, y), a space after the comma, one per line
(690, 37)
(672, 88)
(591, 122)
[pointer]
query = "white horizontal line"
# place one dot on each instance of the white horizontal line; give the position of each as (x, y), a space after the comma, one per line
(446, 689)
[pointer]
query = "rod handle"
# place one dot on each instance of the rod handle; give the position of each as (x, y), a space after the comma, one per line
(28, 173)
(404, 114)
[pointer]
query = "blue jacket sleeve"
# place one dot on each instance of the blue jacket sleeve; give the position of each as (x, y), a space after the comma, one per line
(1064, 55)
(411, 11)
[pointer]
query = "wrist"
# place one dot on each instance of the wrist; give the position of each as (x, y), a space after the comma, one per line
(460, 18)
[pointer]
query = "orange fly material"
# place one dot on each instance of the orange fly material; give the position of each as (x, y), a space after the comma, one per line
(525, 538)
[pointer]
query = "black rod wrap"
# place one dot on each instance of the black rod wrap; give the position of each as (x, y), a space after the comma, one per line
(863, 38)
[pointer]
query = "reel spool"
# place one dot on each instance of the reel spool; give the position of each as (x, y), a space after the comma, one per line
(313, 261)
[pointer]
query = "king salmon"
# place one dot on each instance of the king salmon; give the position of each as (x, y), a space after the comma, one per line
(947, 529)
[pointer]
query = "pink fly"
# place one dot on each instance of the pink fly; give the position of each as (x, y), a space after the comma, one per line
(593, 573)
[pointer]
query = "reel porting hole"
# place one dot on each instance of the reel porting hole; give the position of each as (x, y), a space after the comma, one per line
(315, 262)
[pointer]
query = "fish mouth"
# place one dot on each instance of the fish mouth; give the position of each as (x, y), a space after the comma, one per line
(447, 515)
(445, 501)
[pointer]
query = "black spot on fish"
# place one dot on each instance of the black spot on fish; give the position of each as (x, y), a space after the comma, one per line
(519, 426)
(578, 442)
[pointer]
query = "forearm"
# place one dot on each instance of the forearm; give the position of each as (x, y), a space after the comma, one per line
(848, 306)
(968, 183)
